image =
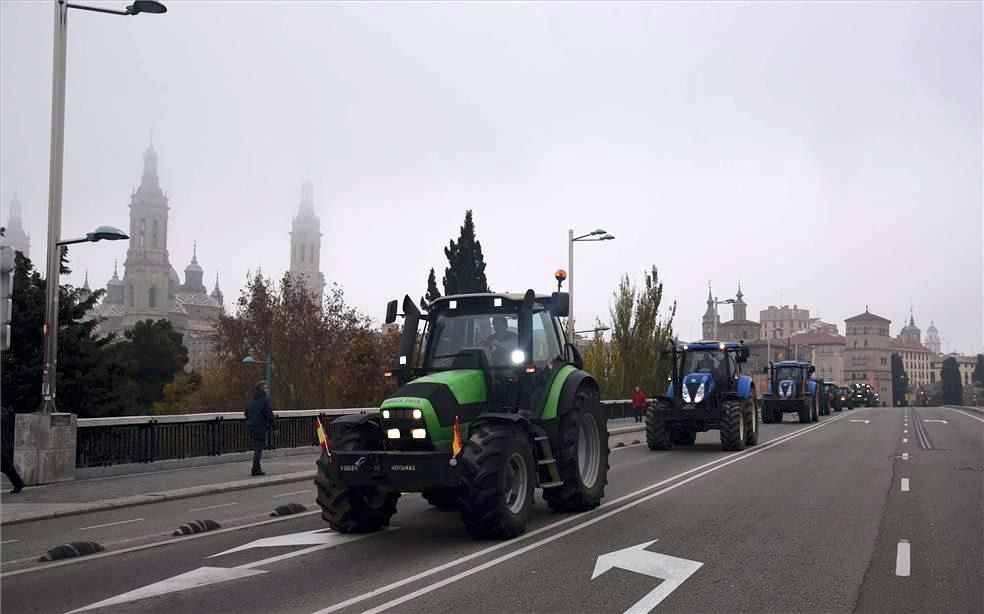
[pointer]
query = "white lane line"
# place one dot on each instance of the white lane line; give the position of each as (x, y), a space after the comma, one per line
(905, 456)
(111, 524)
(905, 440)
(211, 507)
(943, 421)
(9, 541)
(905, 484)
(902, 558)
(296, 492)
(718, 464)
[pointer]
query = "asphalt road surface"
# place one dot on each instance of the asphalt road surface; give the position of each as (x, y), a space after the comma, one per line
(874, 510)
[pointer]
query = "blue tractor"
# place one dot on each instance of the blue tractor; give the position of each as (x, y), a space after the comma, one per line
(791, 390)
(707, 391)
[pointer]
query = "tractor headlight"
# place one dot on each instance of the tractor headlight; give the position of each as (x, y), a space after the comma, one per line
(386, 414)
(419, 433)
(393, 433)
(417, 414)
(699, 396)
(518, 357)
(685, 394)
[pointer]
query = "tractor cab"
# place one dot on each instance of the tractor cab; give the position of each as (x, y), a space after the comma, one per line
(707, 368)
(791, 389)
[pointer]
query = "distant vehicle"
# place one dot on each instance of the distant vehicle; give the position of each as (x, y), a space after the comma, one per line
(831, 391)
(846, 401)
(707, 391)
(791, 390)
(823, 400)
(863, 395)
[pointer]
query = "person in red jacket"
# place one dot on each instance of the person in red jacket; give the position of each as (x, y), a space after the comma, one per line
(638, 402)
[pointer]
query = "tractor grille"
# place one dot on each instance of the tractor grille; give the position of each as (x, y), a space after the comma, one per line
(692, 388)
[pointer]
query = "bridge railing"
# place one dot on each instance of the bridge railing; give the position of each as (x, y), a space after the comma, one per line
(145, 439)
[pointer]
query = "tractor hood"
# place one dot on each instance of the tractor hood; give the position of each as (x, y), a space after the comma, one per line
(443, 396)
(692, 383)
(787, 389)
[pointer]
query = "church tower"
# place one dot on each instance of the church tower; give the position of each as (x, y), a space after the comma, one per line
(194, 275)
(114, 288)
(933, 338)
(16, 237)
(911, 332)
(740, 307)
(147, 268)
(707, 324)
(305, 244)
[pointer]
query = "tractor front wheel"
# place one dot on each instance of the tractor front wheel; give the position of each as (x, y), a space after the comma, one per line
(806, 411)
(354, 509)
(497, 474)
(732, 427)
(582, 456)
(657, 435)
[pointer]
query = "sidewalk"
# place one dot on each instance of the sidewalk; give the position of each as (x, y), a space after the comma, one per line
(101, 493)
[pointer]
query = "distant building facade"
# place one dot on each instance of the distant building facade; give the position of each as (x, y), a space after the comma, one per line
(965, 363)
(150, 288)
(15, 235)
(825, 350)
(868, 354)
(784, 321)
(933, 339)
(916, 358)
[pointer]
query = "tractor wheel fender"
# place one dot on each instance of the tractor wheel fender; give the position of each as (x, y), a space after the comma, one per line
(746, 389)
(351, 420)
(572, 385)
(500, 418)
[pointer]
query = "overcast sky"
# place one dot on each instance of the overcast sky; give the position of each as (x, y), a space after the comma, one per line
(825, 154)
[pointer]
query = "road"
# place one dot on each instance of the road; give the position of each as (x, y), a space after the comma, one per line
(873, 510)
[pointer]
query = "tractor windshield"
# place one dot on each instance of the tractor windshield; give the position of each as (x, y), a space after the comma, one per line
(709, 361)
(495, 334)
(792, 373)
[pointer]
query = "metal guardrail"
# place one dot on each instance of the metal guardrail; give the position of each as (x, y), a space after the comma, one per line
(145, 439)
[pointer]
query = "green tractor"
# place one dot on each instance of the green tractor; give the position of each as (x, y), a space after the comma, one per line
(494, 405)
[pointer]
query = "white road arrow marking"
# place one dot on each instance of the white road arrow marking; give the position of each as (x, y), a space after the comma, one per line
(865, 421)
(205, 576)
(672, 570)
(943, 421)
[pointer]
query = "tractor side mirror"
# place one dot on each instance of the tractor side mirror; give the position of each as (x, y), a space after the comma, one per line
(560, 304)
(575, 356)
(812, 369)
(765, 370)
(391, 311)
(744, 353)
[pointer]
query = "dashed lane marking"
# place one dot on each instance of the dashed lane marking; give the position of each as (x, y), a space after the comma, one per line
(905, 456)
(905, 484)
(211, 507)
(905, 440)
(714, 466)
(110, 524)
(902, 558)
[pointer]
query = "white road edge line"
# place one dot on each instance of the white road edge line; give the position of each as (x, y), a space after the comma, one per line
(905, 484)
(633, 445)
(211, 507)
(9, 541)
(287, 494)
(902, 558)
(715, 465)
(111, 524)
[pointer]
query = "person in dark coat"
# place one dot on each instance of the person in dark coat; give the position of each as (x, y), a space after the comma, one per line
(259, 421)
(7, 417)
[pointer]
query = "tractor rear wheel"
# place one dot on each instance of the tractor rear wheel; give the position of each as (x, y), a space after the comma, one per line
(681, 437)
(441, 498)
(657, 435)
(732, 427)
(806, 411)
(354, 509)
(816, 409)
(751, 423)
(582, 456)
(497, 475)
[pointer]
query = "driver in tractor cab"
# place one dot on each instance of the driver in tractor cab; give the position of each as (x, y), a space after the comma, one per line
(502, 341)
(706, 364)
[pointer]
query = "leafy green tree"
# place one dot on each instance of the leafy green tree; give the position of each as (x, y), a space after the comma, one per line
(639, 333)
(601, 359)
(179, 394)
(900, 381)
(952, 386)
(432, 292)
(466, 264)
(155, 356)
(979, 370)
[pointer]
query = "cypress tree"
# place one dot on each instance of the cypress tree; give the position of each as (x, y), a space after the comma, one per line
(952, 386)
(432, 292)
(466, 264)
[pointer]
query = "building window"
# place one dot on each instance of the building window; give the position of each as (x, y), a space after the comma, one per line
(152, 297)
(142, 233)
(129, 295)
(153, 240)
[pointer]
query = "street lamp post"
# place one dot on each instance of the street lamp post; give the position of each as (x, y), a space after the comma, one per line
(594, 235)
(249, 360)
(59, 62)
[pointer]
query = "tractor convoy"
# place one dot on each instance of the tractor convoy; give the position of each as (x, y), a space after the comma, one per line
(493, 404)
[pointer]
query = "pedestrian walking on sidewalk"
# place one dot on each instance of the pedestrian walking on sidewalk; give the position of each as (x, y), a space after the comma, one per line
(7, 417)
(260, 421)
(638, 403)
